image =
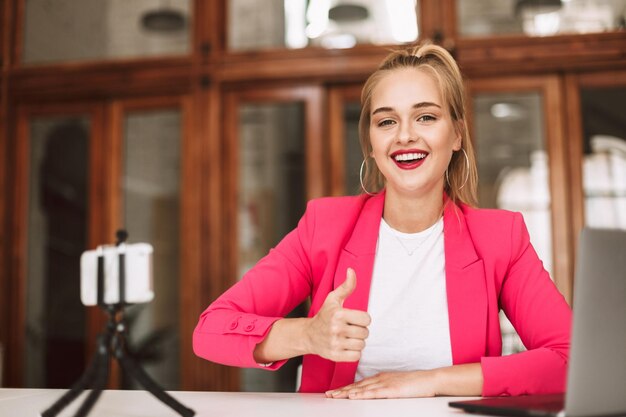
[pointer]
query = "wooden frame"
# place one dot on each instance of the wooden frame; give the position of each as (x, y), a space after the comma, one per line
(551, 91)
(4, 225)
(5, 32)
(4, 300)
(207, 124)
(523, 55)
(438, 22)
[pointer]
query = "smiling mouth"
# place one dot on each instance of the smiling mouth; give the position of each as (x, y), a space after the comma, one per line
(408, 158)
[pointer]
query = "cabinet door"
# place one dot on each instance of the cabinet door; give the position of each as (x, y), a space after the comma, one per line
(273, 165)
(54, 210)
(598, 153)
(272, 24)
(70, 30)
(486, 18)
(151, 185)
(521, 167)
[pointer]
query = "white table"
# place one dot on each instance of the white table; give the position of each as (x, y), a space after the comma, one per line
(30, 402)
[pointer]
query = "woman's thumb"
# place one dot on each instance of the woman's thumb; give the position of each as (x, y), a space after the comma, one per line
(348, 286)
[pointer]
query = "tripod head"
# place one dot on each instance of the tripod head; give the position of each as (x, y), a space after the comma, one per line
(121, 236)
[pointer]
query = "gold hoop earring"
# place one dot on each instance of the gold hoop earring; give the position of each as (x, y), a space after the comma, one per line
(467, 169)
(361, 178)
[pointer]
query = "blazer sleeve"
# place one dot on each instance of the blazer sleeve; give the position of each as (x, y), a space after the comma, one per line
(541, 317)
(231, 327)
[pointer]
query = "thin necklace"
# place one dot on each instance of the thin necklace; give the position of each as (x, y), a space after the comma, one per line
(408, 251)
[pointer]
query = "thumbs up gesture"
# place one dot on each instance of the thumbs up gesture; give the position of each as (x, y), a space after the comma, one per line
(337, 333)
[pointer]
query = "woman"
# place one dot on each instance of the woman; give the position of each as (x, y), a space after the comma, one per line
(406, 280)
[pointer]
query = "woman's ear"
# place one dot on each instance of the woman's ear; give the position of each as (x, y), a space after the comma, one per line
(459, 128)
(457, 144)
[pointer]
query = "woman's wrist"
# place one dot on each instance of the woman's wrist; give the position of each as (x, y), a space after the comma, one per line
(303, 339)
(286, 339)
(306, 339)
(439, 381)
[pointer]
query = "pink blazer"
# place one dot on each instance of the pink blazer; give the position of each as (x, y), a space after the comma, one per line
(490, 265)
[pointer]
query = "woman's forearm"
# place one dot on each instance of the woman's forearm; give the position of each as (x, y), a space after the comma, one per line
(459, 380)
(286, 339)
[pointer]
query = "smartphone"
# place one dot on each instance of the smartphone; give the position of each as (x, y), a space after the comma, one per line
(138, 274)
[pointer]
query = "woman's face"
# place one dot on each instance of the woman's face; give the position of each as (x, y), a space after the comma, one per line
(411, 132)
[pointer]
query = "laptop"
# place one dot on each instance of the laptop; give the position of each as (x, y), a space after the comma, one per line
(596, 380)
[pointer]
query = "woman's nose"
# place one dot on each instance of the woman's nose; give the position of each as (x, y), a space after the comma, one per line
(406, 134)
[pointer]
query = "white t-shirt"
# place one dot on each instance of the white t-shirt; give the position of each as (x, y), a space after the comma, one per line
(407, 303)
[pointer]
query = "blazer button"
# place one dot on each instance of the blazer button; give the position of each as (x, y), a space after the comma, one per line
(233, 325)
(249, 327)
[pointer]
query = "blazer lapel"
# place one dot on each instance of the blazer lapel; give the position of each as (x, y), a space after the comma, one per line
(358, 254)
(466, 289)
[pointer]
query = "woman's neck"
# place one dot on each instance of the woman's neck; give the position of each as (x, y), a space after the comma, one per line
(409, 214)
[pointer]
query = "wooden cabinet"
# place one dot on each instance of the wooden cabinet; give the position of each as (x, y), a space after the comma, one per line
(215, 117)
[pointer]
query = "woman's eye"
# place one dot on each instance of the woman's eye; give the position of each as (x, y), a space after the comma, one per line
(385, 122)
(426, 118)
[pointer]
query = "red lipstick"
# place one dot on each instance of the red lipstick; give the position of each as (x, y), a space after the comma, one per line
(409, 158)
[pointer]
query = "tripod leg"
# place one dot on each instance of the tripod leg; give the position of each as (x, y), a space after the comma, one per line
(100, 384)
(134, 370)
(83, 382)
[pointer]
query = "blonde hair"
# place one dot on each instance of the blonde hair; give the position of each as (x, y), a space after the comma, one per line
(461, 175)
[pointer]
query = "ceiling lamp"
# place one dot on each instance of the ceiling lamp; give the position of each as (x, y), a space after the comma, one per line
(348, 13)
(164, 19)
(538, 6)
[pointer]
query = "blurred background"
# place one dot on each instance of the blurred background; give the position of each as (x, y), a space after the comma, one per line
(204, 126)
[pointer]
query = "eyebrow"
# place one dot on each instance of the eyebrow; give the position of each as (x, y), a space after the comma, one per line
(415, 106)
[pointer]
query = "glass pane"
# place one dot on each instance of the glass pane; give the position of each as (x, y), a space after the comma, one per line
(272, 198)
(57, 236)
(151, 187)
(70, 30)
(513, 170)
(539, 17)
(353, 156)
(330, 24)
(604, 164)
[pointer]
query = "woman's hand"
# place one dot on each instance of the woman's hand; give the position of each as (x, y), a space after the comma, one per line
(337, 333)
(389, 385)
(458, 380)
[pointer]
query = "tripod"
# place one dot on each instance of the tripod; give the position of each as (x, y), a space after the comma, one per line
(112, 342)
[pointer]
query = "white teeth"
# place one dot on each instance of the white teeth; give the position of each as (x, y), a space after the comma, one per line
(409, 156)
